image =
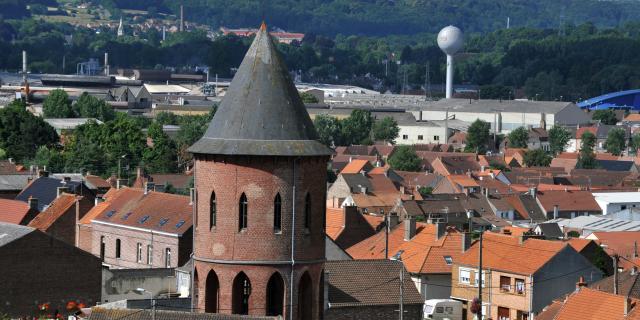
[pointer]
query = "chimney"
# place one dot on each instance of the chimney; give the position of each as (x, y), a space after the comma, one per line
(33, 203)
(533, 191)
(66, 179)
(466, 241)
(43, 173)
(60, 190)
(482, 168)
(581, 283)
(633, 271)
(394, 219)
(350, 216)
(402, 190)
(10, 160)
(149, 186)
(362, 172)
(556, 211)
(363, 189)
(409, 228)
(441, 229)
(97, 201)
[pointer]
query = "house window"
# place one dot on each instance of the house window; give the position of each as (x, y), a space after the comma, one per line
(448, 260)
(520, 286)
(117, 248)
(307, 211)
(623, 207)
(405, 137)
(213, 211)
(522, 315)
(102, 246)
(465, 276)
(244, 214)
(436, 138)
(478, 278)
(149, 254)
(420, 137)
(503, 313)
(167, 258)
(505, 284)
(277, 214)
(139, 253)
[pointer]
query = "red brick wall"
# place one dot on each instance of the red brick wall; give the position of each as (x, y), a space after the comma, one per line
(37, 269)
(260, 178)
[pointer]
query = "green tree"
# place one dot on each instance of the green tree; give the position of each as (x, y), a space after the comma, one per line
(89, 106)
(356, 128)
(161, 157)
(49, 157)
(518, 138)
(386, 129)
(587, 157)
(616, 141)
(425, 191)
(558, 139)
(477, 137)
(58, 105)
(22, 133)
(308, 98)
(165, 118)
(495, 92)
(635, 142)
(3, 154)
(537, 158)
(329, 129)
(607, 116)
(404, 158)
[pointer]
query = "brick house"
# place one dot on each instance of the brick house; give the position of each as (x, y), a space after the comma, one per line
(18, 212)
(59, 219)
(520, 276)
(134, 228)
(369, 289)
(589, 304)
(37, 268)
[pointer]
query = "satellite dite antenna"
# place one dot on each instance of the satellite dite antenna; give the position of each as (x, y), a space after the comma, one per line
(450, 40)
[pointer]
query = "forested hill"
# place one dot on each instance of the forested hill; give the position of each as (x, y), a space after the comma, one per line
(382, 17)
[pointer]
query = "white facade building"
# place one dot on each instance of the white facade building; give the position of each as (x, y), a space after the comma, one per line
(612, 202)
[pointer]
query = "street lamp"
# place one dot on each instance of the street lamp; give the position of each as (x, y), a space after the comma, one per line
(153, 301)
(398, 257)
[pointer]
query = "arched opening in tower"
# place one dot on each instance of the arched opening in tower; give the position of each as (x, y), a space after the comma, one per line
(211, 294)
(196, 287)
(241, 293)
(305, 297)
(275, 295)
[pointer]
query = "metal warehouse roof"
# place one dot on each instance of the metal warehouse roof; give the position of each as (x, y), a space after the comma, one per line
(490, 106)
(599, 223)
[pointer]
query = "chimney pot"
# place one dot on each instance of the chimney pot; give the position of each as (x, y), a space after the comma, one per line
(441, 229)
(556, 211)
(33, 203)
(394, 219)
(581, 283)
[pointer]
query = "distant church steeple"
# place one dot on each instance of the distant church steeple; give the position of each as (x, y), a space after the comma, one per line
(120, 28)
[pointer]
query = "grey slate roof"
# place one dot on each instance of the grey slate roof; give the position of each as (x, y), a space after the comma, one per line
(551, 230)
(10, 232)
(45, 189)
(490, 106)
(262, 113)
(368, 283)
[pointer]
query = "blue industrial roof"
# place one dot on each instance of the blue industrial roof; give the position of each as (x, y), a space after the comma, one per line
(628, 99)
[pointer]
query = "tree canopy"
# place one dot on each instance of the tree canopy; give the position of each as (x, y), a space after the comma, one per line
(404, 158)
(22, 133)
(607, 116)
(587, 157)
(57, 105)
(386, 130)
(616, 142)
(518, 138)
(356, 129)
(537, 158)
(329, 129)
(478, 137)
(558, 139)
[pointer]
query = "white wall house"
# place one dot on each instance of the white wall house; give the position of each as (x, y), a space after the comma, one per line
(612, 202)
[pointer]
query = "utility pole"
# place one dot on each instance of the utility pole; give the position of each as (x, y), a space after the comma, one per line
(427, 83)
(615, 273)
(480, 280)
(401, 289)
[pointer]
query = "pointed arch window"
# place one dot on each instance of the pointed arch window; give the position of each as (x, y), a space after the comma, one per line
(244, 214)
(213, 211)
(277, 214)
(307, 211)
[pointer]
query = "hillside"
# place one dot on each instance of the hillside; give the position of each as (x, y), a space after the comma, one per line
(382, 17)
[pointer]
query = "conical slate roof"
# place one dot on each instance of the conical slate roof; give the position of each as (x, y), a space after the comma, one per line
(262, 113)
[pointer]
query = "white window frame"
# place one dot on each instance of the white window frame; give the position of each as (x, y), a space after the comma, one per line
(461, 278)
(150, 254)
(167, 257)
(475, 282)
(139, 253)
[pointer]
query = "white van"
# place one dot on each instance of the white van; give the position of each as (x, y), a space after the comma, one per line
(443, 309)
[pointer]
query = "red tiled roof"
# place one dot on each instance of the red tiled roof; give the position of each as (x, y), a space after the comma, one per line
(56, 209)
(590, 304)
(620, 242)
(578, 201)
(360, 226)
(578, 243)
(582, 130)
(505, 253)
(355, 166)
(13, 211)
(635, 117)
(156, 210)
(426, 254)
(98, 182)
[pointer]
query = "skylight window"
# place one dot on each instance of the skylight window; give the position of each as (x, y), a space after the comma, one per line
(126, 216)
(163, 222)
(143, 219)
(179, 224)
(448, 259)
(111, 213)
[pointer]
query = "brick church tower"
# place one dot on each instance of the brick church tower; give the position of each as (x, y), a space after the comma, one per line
(260, 179)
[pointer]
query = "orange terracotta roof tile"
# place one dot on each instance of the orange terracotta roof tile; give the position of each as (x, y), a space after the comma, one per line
(374, 246)
(56, 209)
(620, 242)
(582, 130)
(578, 243)
(355, 166)
(590, 304)
(13, 211)
(464, 181)
(425, 254)
(378, 170)
(505, 253)
(635, 117)
(568, 155)
(94, 212)
(579, 201)
(359, 227)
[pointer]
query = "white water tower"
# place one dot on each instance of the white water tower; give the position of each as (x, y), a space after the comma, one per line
(450, 40)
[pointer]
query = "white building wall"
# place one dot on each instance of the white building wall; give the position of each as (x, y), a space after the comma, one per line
(421, 135)
(506, 121)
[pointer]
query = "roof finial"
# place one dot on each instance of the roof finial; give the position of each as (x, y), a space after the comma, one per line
(263, 26)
